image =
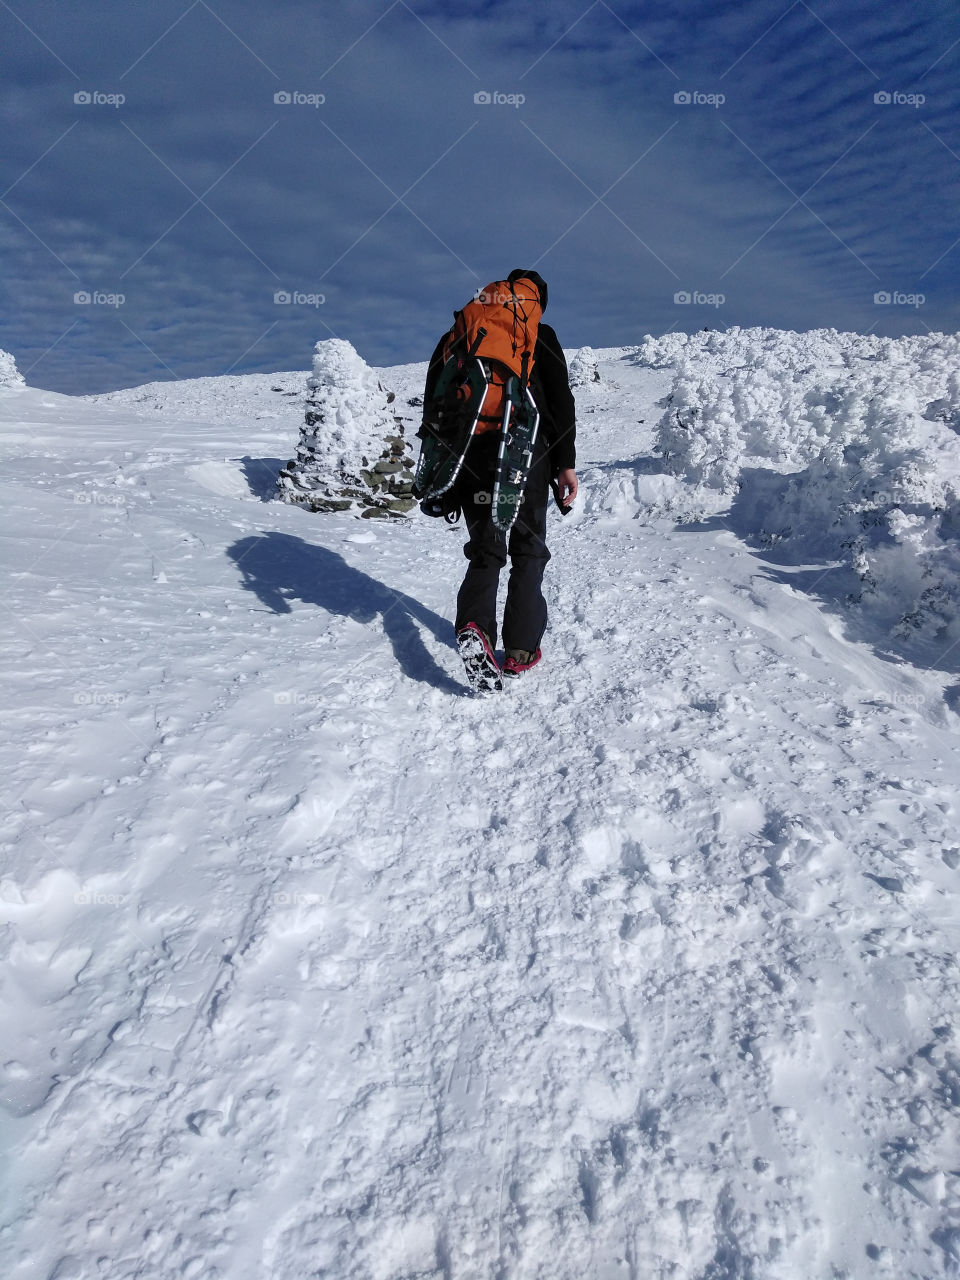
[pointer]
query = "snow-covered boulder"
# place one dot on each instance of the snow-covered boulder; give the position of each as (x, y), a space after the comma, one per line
(9, 374)
(352, 453)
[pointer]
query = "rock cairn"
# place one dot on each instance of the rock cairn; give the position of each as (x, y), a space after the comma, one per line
(352, 453)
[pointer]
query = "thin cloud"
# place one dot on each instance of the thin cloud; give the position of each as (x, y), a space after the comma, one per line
(93, 207)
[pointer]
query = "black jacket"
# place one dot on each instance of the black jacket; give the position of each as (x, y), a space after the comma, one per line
(550, 385)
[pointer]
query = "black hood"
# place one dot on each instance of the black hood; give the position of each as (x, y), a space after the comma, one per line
(538, 280)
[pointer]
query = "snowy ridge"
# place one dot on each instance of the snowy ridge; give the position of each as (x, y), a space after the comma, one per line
(232, 398)
(313, 965)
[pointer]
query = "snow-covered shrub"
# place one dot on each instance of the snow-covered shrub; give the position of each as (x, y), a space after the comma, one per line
(698, 434)
(9, 375)
(352, 453)
(865, 432)
(663, 352)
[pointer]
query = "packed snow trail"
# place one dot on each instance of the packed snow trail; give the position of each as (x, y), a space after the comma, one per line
(318, 966)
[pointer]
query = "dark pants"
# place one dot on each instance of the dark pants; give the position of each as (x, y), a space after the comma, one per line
(525, 612)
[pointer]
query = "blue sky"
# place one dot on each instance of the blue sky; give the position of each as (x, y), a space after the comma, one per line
(797, 198)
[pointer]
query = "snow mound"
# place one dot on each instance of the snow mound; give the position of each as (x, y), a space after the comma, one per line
(352, 452)
(861, 433)
(337, 364)
(9, 374)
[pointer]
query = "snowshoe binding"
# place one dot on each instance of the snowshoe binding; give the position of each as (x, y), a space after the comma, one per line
(483, 671)
(518, 436)
(518, 661)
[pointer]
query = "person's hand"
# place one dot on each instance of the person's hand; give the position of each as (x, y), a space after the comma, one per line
(566, 488)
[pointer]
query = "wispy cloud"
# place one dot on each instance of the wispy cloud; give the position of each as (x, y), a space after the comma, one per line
(698, 194)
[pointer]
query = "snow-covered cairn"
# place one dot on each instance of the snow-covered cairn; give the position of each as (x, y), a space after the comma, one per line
(584, 369)
(352, 453)
(864, 432)
(9, 375)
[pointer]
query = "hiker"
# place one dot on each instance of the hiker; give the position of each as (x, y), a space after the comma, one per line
(552, 466)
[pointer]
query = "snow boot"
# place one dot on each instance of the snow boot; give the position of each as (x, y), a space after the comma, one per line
(520, 660)
(481, 666)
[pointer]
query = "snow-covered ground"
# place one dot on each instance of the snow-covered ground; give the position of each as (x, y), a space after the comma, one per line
(313, 965)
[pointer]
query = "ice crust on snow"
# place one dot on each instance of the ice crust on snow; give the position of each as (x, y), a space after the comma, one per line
(830, 446)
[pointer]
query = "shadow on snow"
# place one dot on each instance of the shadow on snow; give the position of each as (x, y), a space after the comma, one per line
(261, 475)
(278, 568)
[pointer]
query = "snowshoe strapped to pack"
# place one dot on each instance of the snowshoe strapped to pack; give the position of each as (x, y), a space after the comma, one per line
(483, 386)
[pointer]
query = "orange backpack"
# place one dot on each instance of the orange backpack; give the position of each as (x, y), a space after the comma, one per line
(499, 327)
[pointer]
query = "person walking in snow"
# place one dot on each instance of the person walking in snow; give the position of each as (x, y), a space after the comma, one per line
(552, 466)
